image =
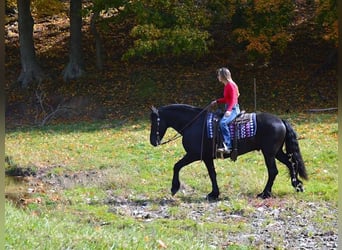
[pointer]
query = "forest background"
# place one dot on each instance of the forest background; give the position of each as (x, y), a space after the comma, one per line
(112, 59)
(72, 61)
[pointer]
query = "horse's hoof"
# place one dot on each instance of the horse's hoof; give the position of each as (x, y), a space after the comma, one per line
(174, 191)
(264, 195)
(212, 197)
(298, 185)
(300, 188)
(175, 187)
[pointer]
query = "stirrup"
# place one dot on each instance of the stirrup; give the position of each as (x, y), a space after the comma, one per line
(225, 149)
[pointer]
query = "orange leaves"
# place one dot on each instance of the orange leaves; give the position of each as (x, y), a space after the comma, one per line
(242, 35)
(263, 26)
(332, 32)
(267, 6)
(27, 201)
(161, 244)
(259, 44)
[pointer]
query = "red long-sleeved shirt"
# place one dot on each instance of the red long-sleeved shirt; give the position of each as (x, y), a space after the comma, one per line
(230, 96)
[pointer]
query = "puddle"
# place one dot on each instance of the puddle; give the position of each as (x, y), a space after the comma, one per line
(19, 190)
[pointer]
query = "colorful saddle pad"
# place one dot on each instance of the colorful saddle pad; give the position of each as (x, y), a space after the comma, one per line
(243, 126)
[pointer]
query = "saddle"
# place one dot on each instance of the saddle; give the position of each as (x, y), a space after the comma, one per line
(242, 127)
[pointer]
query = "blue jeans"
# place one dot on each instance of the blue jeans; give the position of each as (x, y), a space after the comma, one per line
(224, 125)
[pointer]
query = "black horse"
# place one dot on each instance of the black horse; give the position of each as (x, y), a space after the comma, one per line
(190, 122)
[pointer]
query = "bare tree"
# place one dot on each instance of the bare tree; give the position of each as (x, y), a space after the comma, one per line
(30, 71)
(75, 67)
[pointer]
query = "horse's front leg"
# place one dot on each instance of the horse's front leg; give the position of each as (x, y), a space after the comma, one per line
(212, 174)
(187, 159)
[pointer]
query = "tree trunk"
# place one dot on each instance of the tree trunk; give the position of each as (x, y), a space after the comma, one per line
(98, 46)
(75, 67)
(30, 70)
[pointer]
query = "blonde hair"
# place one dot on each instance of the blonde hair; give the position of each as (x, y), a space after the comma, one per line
(226, 75)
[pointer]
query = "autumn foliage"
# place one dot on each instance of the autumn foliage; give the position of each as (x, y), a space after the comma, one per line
(160, 52)
(263, 26)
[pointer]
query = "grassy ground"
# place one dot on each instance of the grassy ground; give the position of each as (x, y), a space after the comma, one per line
(103, 186)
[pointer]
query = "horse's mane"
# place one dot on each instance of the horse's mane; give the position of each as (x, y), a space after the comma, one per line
(183, 107)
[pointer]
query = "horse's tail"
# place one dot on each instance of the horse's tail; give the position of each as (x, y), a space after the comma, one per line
(293, 152)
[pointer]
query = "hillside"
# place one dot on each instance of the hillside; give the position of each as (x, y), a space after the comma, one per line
(302, 78)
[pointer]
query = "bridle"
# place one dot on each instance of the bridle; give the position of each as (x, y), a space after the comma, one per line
(156, 112)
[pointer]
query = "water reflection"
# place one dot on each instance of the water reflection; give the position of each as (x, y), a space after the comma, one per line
(17, 189)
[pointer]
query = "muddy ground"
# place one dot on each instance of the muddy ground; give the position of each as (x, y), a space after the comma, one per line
(271, 224)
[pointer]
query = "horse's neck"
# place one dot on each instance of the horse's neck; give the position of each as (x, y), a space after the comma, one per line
(179, 121)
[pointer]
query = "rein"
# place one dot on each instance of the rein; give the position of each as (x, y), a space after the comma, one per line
(175, 137)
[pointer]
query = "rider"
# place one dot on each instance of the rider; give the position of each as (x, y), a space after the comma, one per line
(230, 99)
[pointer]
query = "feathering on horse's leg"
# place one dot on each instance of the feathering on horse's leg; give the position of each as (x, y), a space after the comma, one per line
(293, 150)
(294, 157)
(286, 160)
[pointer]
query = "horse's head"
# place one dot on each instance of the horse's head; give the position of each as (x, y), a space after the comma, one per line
(158, 127)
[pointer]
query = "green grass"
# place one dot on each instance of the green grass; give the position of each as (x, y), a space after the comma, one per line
(129, 168)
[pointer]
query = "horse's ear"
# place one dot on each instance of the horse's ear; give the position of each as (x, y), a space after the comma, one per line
(154, 110)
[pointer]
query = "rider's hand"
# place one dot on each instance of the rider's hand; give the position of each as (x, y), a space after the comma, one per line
(213, 102)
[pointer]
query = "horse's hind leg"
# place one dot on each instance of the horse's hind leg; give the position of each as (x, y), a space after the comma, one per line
(296, 183)
(187, 159)
(212, 174)
(272, 173)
